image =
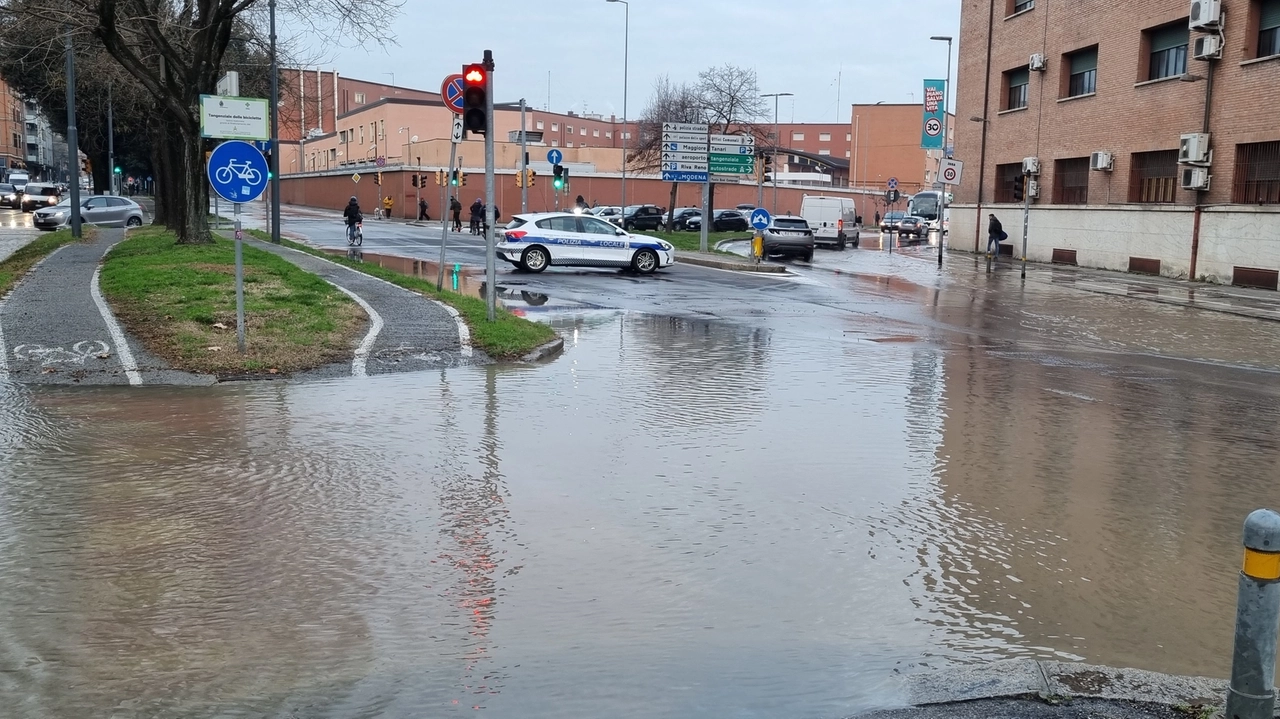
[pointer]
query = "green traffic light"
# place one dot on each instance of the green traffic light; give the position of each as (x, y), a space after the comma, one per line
(558, 183)
(117, 170)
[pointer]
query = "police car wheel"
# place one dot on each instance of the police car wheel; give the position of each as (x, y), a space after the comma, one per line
(645, 262)
(534, 259)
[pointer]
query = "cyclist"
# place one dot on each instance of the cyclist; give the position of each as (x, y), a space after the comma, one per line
(353, 217)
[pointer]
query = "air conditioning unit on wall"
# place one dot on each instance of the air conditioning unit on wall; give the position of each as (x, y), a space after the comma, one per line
(1195, 178)
(1033, 189)
(1205, 14)
(1102, 161)
(1193, 148)
(1207, 47)
(1031, 166)
(1037, 63)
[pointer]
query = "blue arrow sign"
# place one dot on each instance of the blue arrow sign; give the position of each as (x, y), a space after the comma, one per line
(760, 218)
(237, 171)
(554, 156)
(680, 176)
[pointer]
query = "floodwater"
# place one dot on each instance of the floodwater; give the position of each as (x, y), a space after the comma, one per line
(773, 518)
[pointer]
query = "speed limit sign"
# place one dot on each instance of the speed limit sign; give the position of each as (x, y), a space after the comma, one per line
(949, 172)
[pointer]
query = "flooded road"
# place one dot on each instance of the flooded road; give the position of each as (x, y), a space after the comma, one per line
(772, 504)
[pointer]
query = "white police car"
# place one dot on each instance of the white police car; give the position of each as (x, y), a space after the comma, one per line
(537, 240)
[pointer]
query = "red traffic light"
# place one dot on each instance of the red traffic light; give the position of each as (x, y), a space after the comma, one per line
(473, 74)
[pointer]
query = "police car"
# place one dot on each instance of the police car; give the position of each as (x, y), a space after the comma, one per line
(535, 241)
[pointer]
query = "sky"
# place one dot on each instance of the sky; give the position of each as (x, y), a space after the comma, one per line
(830, 53)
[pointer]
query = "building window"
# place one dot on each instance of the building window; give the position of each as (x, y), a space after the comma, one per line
(1268, 28)
(382, 129)
(1071, 181)
(16, 141)
(333, 155)
(555, 127)
(626, 136)
(362, 134)
(583, 132)
(608, 134)
(555, 143)
(848, 154)
(359, 98)
(848, 137)
(1168, 50)
(1083, 79)
(1016, 82)
(797, 137)
(1017, 6)
(538, 124)
(569, 143)
(595, 133)
(568, 129)
(1006, 177)
(824, 152)
(824, 137)
(1257, 174)
(1153, 176)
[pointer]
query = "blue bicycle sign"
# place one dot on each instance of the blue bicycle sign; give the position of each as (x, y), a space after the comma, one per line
(237, 171)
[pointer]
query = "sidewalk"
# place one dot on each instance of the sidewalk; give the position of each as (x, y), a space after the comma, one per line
(55, 327)
(408, 331)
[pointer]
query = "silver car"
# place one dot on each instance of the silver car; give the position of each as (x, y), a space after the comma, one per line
(104, 210)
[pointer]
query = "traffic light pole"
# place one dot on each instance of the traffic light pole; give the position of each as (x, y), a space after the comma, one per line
(524, 162)
(445, 212)
(1026, 218)
(111, 144)
(275, 131)
(490, 272)
(73, 142)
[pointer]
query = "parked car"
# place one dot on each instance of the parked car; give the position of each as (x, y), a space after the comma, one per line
(642, 217)
(683, 214)
(721, 221)
(38, 194)
(745, 208)
(9, 196)
(889, 222)
(606, 212)
(789, 236)
(104, 210)
(534, 242)
(832, 219)
(916, 227)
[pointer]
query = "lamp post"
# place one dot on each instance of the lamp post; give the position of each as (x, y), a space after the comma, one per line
(946, 108)
(408, 146)
(274, 169)
(626, 42)
(777, 139)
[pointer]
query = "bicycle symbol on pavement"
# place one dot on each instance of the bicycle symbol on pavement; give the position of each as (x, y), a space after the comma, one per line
(244, 171)
(48, 356)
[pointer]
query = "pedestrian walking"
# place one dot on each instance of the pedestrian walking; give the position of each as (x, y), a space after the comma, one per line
(387, 202)
(477, 215)
(422, 209)
(877, 218)
(995, 235)
(456, 208)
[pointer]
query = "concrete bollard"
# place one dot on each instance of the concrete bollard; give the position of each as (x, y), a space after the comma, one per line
(1252, 694)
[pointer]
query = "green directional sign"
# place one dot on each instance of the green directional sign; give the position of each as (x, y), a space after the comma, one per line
(731, 164)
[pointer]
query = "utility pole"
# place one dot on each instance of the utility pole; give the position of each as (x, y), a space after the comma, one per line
(73, 140)
(524, 162)
(490, 272)
(111, 144)
(275, 130)
(1026, 219)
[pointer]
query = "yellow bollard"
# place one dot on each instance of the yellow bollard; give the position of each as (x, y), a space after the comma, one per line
(757, 246)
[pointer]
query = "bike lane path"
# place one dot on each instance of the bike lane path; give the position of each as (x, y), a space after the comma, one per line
(56, 328)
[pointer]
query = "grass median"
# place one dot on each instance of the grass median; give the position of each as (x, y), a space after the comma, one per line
(179, 301)
(691, 241)
(17, 265)
(507, 337)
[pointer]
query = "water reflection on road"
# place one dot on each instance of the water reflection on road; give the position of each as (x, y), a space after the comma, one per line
(678, 517)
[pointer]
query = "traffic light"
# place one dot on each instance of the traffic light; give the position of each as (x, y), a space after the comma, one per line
(453, 178)
(415, 180)
(462, 177)
(475, 91)
(440, 177)
(557, 177)
(529, 174)
(519, 179)
(377, 179)
(566, 179)
(1018, 188)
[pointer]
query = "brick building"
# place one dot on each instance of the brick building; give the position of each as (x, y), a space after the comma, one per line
(1062, 82)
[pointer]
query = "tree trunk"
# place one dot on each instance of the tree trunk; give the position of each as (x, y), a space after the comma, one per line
(188, 206)
(101, 171)
(671, 213)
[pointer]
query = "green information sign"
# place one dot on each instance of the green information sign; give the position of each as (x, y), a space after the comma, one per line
(731, 164)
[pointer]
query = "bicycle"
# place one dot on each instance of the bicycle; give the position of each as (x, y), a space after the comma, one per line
(244, 171)
(355, 234)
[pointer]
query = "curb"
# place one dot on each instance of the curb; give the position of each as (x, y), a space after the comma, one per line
(554, 347)
(730, 264)
(1051, 679)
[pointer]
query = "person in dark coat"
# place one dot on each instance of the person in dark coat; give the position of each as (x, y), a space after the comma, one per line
(351, 213)
(477, 216)
(456, 208)
(422, 209)
(581, 204)
(995, 233)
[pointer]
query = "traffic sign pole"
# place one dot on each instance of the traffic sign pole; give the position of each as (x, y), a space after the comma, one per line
(707, 219)
(239, 282)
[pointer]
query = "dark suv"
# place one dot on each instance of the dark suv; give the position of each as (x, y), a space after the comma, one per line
(642, 217)
(790, 236)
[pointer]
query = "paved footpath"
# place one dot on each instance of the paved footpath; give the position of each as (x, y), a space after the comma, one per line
(407, 332)
(55, 327)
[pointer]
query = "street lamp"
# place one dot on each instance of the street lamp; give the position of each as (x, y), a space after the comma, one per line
(626, 42)
(776, 140)
(946, 107)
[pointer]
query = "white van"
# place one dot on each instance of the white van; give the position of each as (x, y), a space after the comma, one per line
(19, 180)
(833, 220)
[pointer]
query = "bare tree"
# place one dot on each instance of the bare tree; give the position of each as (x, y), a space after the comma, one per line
(670, 102)
(175, 49)
(730, 96)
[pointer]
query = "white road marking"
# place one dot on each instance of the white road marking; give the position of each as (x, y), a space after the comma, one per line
(49, 356)
(4, 353)
(359, 365)
(117, 335)
(464, 332)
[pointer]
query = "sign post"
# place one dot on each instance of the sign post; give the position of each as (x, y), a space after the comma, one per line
(445, 209)
(759, 221)
(238, 173)
(949, 173)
